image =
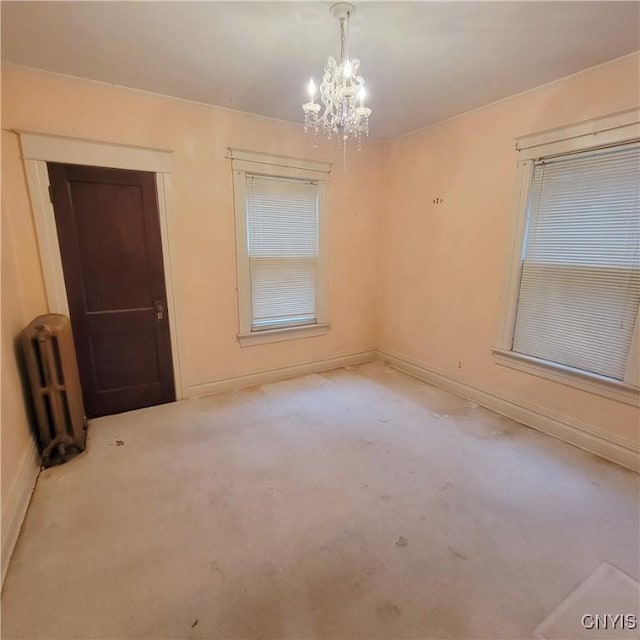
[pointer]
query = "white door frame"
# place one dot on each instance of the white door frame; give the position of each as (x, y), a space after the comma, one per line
(40, 148)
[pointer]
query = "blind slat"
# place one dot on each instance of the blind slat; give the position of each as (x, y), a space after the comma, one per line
(580, 279)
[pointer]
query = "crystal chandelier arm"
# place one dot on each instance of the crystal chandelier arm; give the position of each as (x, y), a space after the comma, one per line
(336, 110)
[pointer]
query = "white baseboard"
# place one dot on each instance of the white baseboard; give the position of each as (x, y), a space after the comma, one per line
(613, 448)
(264, 376)
(17, 502)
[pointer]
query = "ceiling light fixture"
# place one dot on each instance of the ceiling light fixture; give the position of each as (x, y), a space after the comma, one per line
(342, 91)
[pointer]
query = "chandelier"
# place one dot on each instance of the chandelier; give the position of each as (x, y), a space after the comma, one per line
(342, 112)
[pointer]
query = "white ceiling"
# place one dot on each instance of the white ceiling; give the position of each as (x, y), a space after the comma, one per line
(422, 61)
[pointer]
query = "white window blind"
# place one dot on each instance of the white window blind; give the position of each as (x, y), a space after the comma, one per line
(580, 279)
(282, 245)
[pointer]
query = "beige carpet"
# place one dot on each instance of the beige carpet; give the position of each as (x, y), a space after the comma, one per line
(356, 504)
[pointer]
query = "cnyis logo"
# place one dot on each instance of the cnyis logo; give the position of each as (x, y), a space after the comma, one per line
(610, 621)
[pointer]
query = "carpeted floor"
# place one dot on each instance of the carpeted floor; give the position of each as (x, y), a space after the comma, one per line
(360, 503)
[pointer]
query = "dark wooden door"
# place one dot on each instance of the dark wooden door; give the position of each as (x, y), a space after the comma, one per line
(109, 235)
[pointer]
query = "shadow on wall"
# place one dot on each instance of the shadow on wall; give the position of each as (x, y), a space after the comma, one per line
(25, 387)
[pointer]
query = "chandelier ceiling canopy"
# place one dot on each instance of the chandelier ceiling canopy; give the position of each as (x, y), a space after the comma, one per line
(338, 108)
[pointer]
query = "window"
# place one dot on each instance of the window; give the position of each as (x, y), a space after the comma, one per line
(580, 278)
(282, 244)
(280, 247)
(576, 282)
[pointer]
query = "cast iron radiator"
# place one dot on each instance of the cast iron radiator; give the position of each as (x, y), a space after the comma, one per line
(55, 386)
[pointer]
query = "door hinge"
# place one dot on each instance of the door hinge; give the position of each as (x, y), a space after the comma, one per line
(51, 194)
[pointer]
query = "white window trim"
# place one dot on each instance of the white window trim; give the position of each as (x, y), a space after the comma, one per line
(253, 162)
(613, 129)
(39, 148)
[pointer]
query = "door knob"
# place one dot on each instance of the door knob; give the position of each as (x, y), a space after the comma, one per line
(158, 306)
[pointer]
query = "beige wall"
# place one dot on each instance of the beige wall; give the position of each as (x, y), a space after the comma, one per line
(202, 232)
(202, 216)
(19, 464)
(443, 267)
(22, 299)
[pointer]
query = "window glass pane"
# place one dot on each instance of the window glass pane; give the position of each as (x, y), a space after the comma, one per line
(282, 244)
(580, 282)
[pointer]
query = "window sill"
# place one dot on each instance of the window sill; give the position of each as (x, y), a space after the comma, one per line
(593, 383)
(280, 335)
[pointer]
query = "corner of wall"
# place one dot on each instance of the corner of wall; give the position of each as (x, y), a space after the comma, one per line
(382, 213)
(20, 456)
